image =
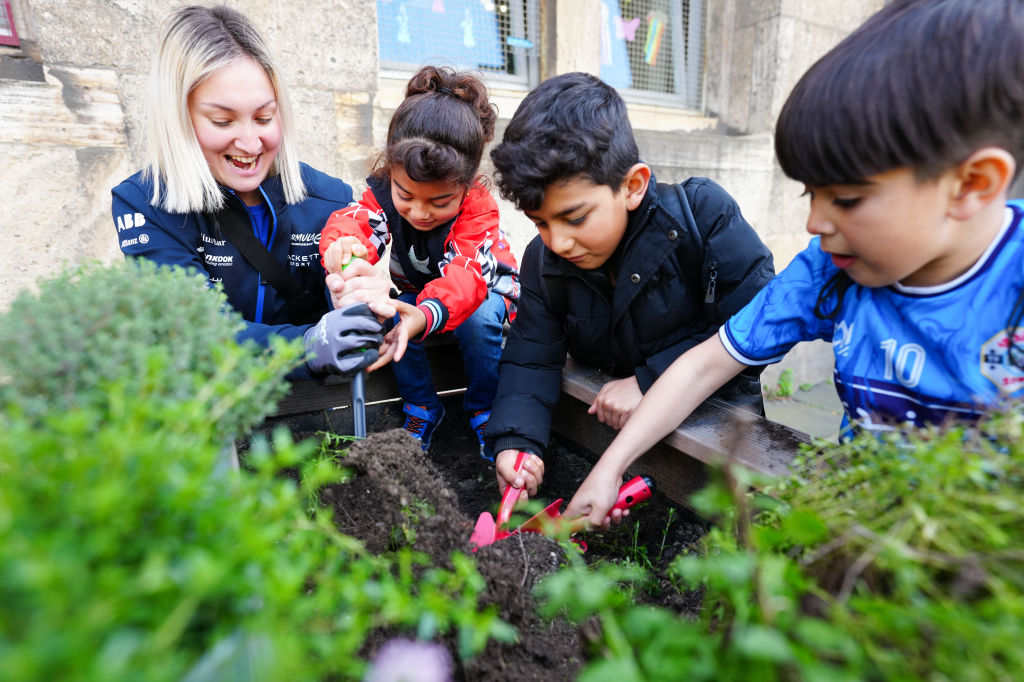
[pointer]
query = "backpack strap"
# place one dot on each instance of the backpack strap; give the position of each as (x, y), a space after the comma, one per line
(675, 199)
(303, 306)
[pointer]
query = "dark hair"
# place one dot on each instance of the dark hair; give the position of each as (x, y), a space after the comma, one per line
(568, 125)
(440, 129)
(921, 84)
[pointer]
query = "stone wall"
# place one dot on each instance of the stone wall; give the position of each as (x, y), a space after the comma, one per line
(72, 104)
(72, 100)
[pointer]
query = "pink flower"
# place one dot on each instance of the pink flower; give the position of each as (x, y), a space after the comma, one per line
(403, 660)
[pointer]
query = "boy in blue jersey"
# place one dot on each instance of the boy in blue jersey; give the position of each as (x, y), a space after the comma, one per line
(906, 136)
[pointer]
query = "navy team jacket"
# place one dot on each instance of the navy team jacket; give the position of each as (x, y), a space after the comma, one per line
(187, 240)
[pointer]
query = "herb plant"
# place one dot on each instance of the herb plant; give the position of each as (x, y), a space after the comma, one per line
(128, 551)
(894, 558)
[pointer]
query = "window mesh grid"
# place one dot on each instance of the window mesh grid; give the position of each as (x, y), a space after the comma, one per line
(490, 36)
(654, 49)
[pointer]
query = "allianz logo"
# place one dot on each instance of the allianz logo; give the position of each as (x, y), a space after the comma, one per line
(141, 239)
(306, 238)
(130, 220)
(218, 260)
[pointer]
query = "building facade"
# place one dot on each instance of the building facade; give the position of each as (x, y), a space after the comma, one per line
(704, 80)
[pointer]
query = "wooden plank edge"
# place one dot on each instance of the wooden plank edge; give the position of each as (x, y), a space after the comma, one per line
(709, 434)
(313, 395)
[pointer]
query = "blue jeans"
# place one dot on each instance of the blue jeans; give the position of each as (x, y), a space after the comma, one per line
(479, 340)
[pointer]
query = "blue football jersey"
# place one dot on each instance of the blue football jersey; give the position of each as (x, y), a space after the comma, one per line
(903, 354)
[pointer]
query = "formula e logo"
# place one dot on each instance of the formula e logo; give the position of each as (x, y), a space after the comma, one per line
(303, 238)
(1003, 364)
(130, 220)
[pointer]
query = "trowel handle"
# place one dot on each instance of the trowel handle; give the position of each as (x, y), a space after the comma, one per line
(358, 393)
(634, 492)
(511, 495)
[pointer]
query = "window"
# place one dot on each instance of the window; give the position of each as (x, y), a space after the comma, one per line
(653, 50)
(495, 37)
(8, 34)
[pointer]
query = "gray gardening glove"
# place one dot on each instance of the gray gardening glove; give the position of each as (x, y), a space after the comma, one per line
(344, 341)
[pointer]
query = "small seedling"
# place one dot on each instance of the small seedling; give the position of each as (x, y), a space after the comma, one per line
(414, 513)
(783, 387)
(664, 532)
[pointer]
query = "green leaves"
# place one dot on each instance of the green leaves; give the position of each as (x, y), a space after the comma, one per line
(129, 551)
(160, 333)
(884, 558)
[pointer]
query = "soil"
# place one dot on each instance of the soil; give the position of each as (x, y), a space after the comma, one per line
(438, 496)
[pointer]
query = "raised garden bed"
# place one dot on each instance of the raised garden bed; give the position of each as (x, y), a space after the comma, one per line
(400, 495)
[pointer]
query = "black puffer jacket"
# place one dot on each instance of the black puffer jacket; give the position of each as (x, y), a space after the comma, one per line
(687, 261)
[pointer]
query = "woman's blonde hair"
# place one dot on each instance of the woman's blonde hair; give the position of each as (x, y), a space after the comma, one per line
(196, 42)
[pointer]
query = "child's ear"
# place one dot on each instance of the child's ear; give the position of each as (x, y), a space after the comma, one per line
(635, 184)
(981, 179)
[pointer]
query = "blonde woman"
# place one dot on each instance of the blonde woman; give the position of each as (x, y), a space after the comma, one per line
(223, 193)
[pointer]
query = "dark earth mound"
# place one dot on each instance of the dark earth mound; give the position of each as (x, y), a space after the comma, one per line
(400, 495)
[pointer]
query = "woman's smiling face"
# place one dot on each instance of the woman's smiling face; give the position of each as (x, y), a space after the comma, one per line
(234, 115)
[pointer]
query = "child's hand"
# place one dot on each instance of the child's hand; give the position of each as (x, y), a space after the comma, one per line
(361, 282)
(596, 497)
(616, 401)
(411, 322)
(341, 252)
(529, 477)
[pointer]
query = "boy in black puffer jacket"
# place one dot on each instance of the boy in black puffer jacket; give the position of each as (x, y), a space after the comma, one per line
(626, 274)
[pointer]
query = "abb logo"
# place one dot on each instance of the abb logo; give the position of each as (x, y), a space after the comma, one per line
(130, 220)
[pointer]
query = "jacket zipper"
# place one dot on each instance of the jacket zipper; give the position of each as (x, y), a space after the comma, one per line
(709, 295)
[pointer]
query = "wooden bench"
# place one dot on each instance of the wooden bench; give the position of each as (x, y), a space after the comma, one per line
(678, 464)
(335, 393)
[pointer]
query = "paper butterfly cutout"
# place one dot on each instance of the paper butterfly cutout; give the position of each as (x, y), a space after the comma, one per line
(626, 29)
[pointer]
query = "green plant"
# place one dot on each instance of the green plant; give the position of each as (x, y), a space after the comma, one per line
(128, 552)
(884, 558)
(413, 514)
(125, 555)
(926, 573)
(784, 387)
(637, 551)
(639, 554)
(94, 326)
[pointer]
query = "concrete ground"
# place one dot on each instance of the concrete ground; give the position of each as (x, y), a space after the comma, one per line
(812, 405)
(813, 409)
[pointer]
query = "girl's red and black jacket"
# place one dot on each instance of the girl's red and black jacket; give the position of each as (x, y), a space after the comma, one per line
(450, 268)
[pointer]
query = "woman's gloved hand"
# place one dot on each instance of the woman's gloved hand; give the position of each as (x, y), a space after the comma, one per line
(344, 341)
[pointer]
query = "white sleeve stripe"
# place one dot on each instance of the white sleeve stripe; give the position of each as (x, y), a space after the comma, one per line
(739, 356)
(438, 314)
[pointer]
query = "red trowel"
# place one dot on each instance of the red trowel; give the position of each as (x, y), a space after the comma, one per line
(487, 529)
(550, 520)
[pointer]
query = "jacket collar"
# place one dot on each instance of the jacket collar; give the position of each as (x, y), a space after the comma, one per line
(271, 189)
(637, 222)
